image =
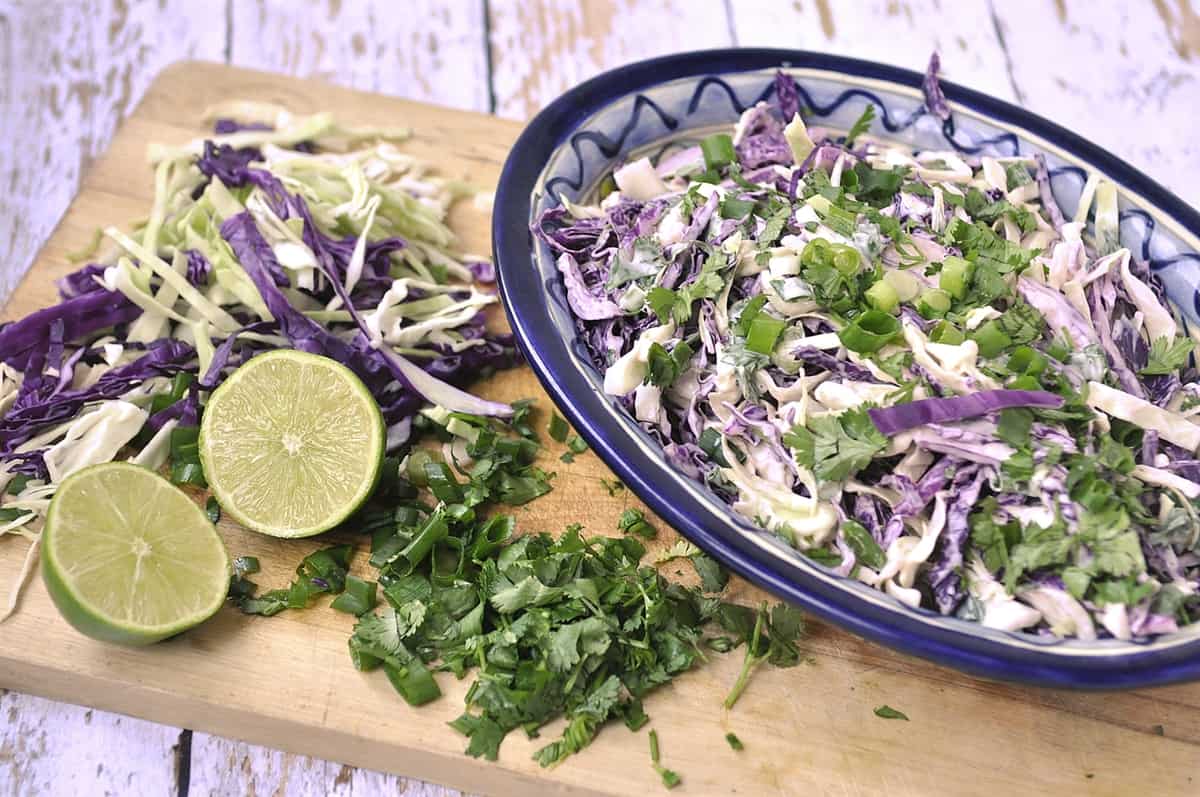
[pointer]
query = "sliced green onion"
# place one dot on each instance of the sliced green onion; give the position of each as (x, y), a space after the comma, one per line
(846, 259)
(358, 598)
(413, 681)
(607, 186)
(717, 150)
(843, 222)
(417, 461)
(764, 331)
(947, 333)
(934, 303)
(817, 252)
(955, 275)
(870, 332)
(883, 296)
(750, 311)
(1026, 361)
(992, 339)
(732, 208)
(906, 286)
(1025, 382)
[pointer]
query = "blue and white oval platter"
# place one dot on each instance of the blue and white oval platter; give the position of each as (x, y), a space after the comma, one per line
(582, 135)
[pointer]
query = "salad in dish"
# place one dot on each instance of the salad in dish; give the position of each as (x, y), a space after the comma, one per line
(910, 365)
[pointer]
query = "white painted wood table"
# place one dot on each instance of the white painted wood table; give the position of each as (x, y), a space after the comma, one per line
(1125, 74)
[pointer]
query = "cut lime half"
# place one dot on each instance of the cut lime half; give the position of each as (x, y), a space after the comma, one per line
(291, 443)
(128, 557)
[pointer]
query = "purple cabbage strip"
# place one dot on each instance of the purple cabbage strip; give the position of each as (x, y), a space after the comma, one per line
(871, 512)
(1046, 192)
(1058, 312)
(85, 280)
(1102, 298)
(935, 98)
(585, 303)
(223, 127)
(787, 96)
(944, 574)
(900, 417)
(483, 271)
(425, 383)
(564, 233)
(81, 316)
(825, 361)
(915, 497)
(34, 412)
(198, 267)
(232, 167)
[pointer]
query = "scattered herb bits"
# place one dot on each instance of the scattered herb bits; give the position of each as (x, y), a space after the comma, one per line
(888, 713)
(633, 521)
(213, 510)
(558, 428)
(734, 742)
(670, 779)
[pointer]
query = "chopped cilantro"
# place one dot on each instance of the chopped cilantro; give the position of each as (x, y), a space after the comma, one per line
(212, 510)
(861, 125)
(1167, 357)
(665, 367)
(558, 428)
(835, 447)
(614, 486)
(888, 713)
(633, 521)
(670, 779)
(772, 638)
(320, 572)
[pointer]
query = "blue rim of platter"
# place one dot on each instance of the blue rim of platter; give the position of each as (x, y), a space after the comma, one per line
(590, 128)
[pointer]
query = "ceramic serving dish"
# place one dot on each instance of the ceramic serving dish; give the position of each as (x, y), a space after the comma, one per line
(571, 145)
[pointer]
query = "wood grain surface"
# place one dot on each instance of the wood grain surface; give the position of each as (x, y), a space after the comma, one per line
(287, 681)
(1124, 74)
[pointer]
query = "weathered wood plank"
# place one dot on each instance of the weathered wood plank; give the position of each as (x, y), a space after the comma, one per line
(223, 767)
(49, 748)
(542, 47)
(429, 50)
(68, 74)
(898, 32)
(1125, 75)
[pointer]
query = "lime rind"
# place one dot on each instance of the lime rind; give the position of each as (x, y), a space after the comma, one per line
(109, 509)
(292, 444)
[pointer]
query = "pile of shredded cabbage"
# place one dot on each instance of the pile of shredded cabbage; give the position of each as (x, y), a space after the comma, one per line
(275, 231)
(907, 364)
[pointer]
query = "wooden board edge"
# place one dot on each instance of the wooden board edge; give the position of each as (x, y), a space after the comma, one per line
(171, 708)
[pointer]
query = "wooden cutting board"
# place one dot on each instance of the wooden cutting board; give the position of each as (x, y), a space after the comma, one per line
(287, 681)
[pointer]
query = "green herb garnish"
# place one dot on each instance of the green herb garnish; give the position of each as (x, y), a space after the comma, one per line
(889, 713)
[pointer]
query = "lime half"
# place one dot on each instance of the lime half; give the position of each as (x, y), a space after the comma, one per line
(291, 443)
(128, 557)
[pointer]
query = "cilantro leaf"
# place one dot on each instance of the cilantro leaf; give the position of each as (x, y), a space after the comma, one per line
(1167, 356)
(713, 577)
(558, 428)
(1039, 547)
(836, 447)
(878, 187)
(861, 125)
(665, 367)
(888, 713)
